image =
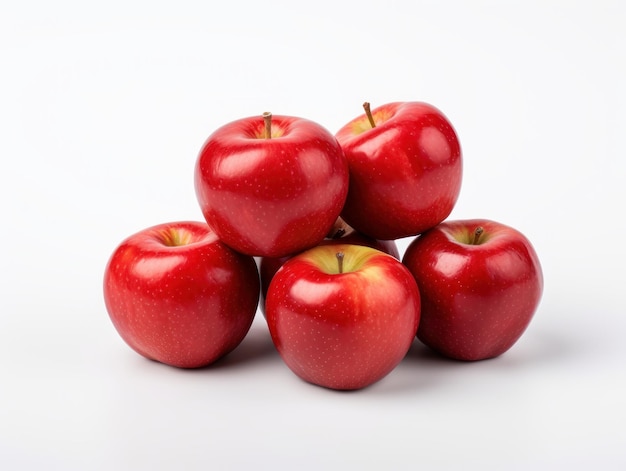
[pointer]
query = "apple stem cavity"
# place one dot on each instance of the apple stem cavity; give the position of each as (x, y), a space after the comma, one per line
(477, 233)
(340, 256)
(267, 118)
(368, 113)
(175, 237)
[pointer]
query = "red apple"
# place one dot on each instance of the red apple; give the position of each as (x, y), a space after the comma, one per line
(271, 186)
(405, 169)
(342, 316)
(178, 295)
(341, 233)
(481, 283)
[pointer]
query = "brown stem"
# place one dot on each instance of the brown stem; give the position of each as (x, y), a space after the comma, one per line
(477, 233)
(267, 118)
(338, 234)
(339, 256)
(368, 112)
(339, 229)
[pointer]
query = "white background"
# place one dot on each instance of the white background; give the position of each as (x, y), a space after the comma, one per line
(103, 109)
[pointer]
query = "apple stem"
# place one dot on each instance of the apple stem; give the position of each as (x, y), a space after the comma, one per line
(339, 256)
(267, 118)
(477, 233)
(338, 234)
(368, 112)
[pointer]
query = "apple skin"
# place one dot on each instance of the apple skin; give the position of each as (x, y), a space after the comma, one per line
(344, 330)
(405, 173)
(477, 299)
(341, 234)
(179, 296)
(271, 197)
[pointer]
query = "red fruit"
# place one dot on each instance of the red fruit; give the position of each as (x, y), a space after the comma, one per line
(178, 295)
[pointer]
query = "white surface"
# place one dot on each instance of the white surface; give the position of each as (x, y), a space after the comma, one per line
(103, 109)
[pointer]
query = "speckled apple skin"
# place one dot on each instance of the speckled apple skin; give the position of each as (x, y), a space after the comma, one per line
(271, 197)
(268, 266)
(405, 174)
(342, 331)
(186, 305)
(477, 300)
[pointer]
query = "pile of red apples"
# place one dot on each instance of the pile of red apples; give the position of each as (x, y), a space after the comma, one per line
(303, 224)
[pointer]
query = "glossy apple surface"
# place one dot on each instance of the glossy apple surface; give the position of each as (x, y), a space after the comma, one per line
(341, 233)
(480, 282)
(177, 295)
(342, 328)
(405, 173)
(271, 196)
